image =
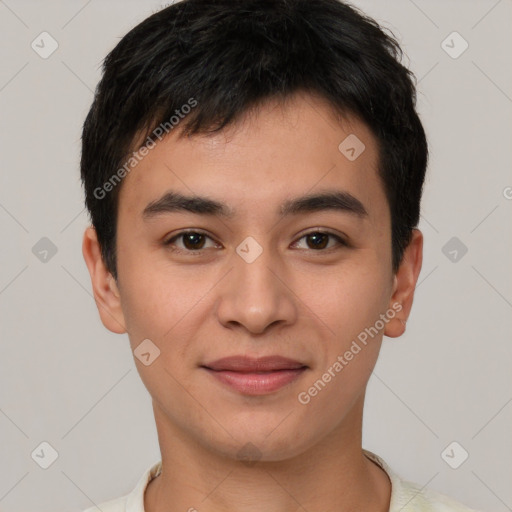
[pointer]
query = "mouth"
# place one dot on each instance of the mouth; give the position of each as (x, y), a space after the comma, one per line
(255, 376)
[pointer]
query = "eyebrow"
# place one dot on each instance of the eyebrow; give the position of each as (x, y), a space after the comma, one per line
(338, 200)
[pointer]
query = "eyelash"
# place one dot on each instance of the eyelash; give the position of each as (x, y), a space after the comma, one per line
(168, 243)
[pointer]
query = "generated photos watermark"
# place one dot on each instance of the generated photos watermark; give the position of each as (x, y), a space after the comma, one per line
(137, 156)
(304, 397)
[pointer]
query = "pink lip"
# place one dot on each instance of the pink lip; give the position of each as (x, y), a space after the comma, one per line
(249, 364)
(255, 376)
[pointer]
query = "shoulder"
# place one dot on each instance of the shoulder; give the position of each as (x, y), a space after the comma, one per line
(134, 501)
(410, 497)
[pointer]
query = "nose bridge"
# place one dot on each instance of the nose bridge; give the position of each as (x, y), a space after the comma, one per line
(254, 296)
(252, 268)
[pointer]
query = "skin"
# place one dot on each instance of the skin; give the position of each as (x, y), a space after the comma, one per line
(294, 300)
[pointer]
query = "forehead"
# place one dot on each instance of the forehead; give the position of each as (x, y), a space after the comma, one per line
(274, 152)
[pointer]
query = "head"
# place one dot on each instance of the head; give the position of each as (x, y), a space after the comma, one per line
(285, 130)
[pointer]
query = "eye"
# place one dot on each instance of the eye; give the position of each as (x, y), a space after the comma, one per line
(318, 240)
(192, 241)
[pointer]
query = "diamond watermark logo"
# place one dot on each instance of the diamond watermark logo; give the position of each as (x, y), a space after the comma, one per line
(454, 45)
(249, 250)
(146, 352)
(454, 455)
(44, 455)
(454, 250)
(44, 250)
(351, 147)
(44, 45)
(249, 454)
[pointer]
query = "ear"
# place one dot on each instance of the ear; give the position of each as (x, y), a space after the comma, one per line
(405, 284)
(106, 293)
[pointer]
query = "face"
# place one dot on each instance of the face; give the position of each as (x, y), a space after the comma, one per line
(264, 272)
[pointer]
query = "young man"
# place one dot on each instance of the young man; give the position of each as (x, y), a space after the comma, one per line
(253, 170)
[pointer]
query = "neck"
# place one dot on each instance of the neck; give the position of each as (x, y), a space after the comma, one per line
(332, 475)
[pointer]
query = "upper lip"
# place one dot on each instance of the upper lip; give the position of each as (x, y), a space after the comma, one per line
(249, 364)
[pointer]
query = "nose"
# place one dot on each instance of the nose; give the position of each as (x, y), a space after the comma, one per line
(257, 295)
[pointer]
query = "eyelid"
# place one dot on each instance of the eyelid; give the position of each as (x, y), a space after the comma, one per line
(198, 231)
(341, 239)
(185, 232)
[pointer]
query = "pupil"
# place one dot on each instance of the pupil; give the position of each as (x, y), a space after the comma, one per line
(315, 237)
(192, 239)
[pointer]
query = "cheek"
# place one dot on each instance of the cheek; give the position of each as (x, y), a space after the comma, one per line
(349, 300)
(145, 296)
(156, 311)
(153, 310)
(160, 304)
(350, 304)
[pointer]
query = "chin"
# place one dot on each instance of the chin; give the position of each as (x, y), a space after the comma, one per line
(251, 447)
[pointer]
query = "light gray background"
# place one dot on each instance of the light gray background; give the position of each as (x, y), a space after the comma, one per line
(65, 380)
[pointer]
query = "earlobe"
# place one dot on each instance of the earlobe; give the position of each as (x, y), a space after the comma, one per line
(105, 290)
(405, 284)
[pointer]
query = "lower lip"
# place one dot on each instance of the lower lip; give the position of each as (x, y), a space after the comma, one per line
(257, 383)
